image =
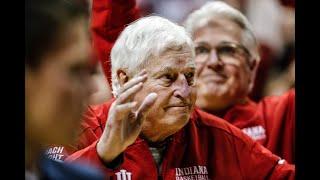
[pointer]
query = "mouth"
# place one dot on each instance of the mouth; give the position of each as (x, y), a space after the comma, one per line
(178, 106)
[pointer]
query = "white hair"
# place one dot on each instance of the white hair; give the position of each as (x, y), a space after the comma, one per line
(211, 11)
(145, 38)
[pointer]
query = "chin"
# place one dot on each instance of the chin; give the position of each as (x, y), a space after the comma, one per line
(178, 121)
(164, 128)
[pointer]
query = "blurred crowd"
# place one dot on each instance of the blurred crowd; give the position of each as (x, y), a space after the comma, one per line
(273, 23)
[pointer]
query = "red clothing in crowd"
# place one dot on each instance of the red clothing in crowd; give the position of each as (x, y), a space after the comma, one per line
(206, 148)
(271, 122)
(108, 19)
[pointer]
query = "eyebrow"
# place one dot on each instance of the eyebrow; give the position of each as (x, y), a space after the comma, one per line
(201, 43)
(167, 69)
(163, 70)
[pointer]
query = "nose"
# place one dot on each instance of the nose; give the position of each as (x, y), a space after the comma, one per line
(214, 62)
(182, 89)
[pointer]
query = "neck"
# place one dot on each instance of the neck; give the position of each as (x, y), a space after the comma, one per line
(220, 112)
(157, 135)
(154, 138)
(156, 144)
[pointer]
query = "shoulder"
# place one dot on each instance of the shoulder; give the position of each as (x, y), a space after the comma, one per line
(278, 108)
(218, 127)
(92, 124)
(234, 144)
(96, 115)
(286, 98)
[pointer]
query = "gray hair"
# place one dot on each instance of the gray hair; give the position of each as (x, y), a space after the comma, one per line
(145, 38)
(218, 9)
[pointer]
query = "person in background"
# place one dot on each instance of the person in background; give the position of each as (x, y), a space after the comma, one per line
(57, 84)
(227, 59)
(105, 29)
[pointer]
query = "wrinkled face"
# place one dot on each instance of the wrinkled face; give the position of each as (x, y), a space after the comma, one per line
(223, 75)
(171, 76)
(57, 91)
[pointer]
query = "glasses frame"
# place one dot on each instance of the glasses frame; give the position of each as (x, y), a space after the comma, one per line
(237, 47)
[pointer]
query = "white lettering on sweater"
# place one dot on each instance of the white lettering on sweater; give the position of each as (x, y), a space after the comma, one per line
(55, 153)
(255, 132)
(192, 173)
(123, 175)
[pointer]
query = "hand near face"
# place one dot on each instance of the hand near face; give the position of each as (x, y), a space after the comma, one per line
(125, 119)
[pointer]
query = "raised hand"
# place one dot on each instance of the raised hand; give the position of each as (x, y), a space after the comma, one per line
(124, 119)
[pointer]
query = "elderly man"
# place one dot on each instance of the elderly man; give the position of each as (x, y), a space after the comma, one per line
(227, 59)
(152, 130)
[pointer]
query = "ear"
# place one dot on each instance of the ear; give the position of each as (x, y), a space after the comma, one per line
(253, 71)
(122, 77)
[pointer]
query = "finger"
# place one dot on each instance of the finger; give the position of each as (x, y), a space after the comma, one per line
(134, 81)
(146, 106)
(124, 109)
(142, 72)
(129, 93)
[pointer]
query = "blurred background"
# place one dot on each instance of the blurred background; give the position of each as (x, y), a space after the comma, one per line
(273, 22)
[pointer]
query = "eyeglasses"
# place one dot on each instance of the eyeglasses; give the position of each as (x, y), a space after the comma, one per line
(226, 52)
